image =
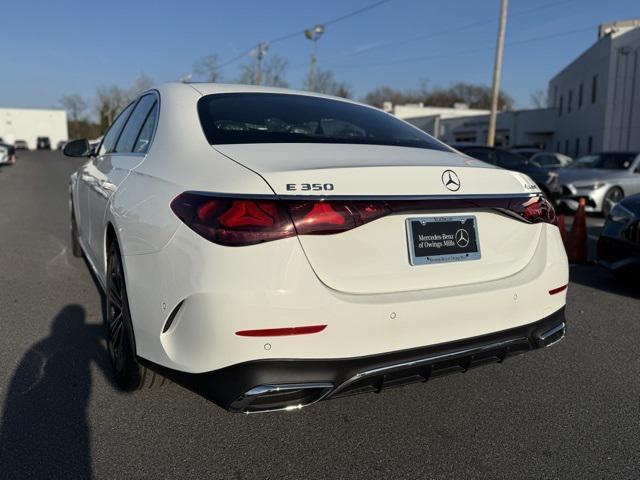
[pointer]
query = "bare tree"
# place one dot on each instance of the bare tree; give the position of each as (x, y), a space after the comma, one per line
(248, 74)
(110, 101)
(208, 68)
(326, 83)
(539, 99)
(75, 106)
(142, 83)
(476, 96)
(274, 68)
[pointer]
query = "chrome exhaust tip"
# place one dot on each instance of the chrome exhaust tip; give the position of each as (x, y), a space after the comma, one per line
(283, 397)
(552, 336)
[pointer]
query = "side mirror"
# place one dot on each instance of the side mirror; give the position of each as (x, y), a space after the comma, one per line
(77, 148)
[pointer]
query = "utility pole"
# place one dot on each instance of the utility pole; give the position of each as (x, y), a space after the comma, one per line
(260, 52)
(491, 135)
(314, 35)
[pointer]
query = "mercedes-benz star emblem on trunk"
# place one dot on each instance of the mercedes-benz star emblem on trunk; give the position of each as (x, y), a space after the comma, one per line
(462, 238)
(450, 180)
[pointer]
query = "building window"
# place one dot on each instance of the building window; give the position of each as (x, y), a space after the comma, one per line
(580, 97)
(465, 137)
(566, 147)
(590, 144)
(558, 146)
(594, 88)
(569, 101)
(560, 106)
(577, 148)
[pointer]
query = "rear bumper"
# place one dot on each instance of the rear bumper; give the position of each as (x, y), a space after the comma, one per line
(286, 384)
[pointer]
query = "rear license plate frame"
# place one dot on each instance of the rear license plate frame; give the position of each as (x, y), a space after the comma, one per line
(431, 223)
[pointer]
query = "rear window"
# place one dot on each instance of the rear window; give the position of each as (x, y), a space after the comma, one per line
(237, 118)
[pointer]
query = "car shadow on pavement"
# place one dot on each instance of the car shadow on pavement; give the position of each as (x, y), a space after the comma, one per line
(599, 278)
(45, 431)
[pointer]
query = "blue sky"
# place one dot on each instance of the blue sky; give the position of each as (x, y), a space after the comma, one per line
(55, 48)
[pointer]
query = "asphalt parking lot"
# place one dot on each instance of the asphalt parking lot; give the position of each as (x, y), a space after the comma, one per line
(569, 411)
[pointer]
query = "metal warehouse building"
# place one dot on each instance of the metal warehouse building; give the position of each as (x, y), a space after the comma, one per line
(29, 123)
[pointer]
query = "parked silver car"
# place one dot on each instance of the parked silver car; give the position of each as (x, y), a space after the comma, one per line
(604, 178)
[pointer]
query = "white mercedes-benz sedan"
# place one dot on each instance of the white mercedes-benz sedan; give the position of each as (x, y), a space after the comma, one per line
(269, 248)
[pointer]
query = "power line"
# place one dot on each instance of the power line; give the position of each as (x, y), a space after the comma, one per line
(301, 32)
(400, 42)
(356, 12)
(465, 52)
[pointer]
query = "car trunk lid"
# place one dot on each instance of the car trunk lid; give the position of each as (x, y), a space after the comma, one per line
(375, 257)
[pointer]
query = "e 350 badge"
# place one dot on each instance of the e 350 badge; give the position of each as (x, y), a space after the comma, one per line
(309, 187)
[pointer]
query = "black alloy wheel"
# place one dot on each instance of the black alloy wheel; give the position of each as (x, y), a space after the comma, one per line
(128, 373)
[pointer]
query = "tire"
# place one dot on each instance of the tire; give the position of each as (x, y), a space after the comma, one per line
(128, 374)
(76, 249)
(613, 196)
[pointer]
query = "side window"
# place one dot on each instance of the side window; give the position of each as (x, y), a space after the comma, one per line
(111, 137)
(134, 124)
(144, 138)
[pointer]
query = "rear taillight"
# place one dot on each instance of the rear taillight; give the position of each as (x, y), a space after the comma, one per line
(535, 209)
(329, 216)
(247, 221)
(233, 221)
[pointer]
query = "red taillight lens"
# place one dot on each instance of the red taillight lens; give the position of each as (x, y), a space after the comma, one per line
(333, 216)
(246, 221)
(535, 209)
(233, 222)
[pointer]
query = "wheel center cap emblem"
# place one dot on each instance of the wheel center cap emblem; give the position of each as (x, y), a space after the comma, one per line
(462, 238)
(450, 180)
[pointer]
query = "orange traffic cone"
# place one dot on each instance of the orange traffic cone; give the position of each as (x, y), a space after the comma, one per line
(577, 243)
(562, 226)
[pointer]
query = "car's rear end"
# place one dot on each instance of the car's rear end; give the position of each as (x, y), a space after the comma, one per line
(365, 266)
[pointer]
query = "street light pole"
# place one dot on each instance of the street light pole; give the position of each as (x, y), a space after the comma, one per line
(314, 35)
(491, 135)
(314, 66)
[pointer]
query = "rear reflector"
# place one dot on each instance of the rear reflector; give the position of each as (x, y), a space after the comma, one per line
(558, 290)
(242, 221)
(281, 332)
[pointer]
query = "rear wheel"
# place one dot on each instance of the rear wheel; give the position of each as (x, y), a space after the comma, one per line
(613, 196)
(128, 373)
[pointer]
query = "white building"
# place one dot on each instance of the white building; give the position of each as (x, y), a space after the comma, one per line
(597, 96)
(519, 127)
(428, 118)
(594, 104)
(29, 123)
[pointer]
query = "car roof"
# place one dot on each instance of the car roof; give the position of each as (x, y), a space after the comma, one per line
(213, 88)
